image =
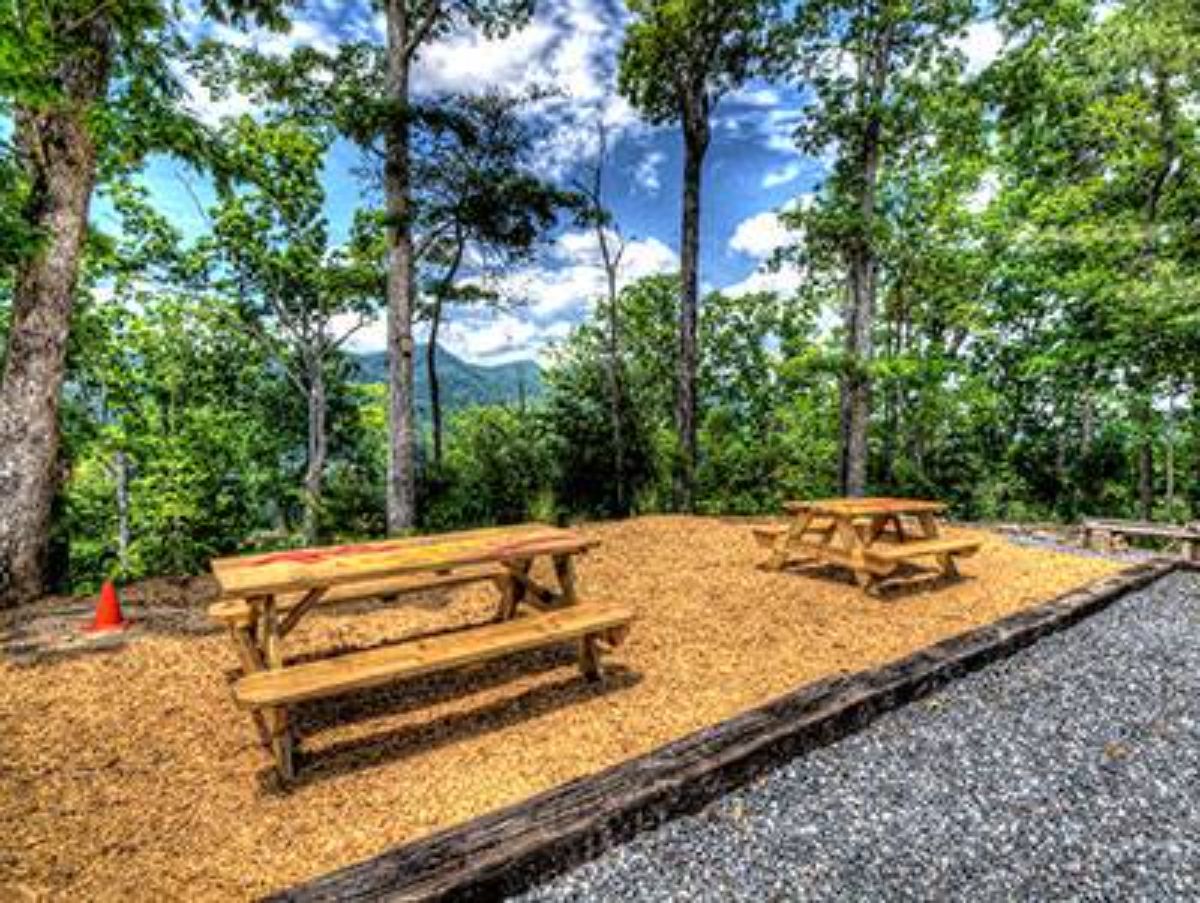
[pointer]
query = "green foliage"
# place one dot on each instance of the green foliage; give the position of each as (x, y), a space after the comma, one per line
(494, 471)
(192, 405)
(676, 50)
(1037, 338)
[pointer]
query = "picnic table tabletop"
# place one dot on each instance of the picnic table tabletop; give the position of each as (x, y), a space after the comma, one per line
(864, 507)
(300, 569)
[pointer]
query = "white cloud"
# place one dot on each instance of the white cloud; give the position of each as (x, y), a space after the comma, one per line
(781, 175)
(646, 174)
(981, 45)
(783, 282)
(757, 96)
(547, 300)
(570, 47)
(200, 101)
(761, 234)
(574, 277)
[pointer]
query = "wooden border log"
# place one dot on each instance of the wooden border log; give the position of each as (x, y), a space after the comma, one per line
(515, 848)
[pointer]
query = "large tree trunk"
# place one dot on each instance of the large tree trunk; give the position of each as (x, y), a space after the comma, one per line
(696, 138)
(862, 273)
(401, 482)
(318, 452)
(59, 155)
(856, 382)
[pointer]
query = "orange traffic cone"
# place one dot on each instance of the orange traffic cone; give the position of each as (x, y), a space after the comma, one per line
(108, 611)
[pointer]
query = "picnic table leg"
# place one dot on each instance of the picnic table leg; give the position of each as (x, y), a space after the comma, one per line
(564, 570)
(589, 649)
(271, 655)
(589, 658)
(929, 530)
(853, 542)
(878, 524)
(514, 590)
(251, 661)
(795, 532)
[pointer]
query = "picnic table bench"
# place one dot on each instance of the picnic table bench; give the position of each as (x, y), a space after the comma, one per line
(265, 597)
(866, 535)
(1101, 532)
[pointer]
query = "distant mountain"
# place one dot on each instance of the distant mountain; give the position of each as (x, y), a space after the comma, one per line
(463, 384)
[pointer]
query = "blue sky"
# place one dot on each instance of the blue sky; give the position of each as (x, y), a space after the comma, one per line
(752, 167)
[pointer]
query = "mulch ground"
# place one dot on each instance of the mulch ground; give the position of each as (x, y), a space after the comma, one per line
(126, 771)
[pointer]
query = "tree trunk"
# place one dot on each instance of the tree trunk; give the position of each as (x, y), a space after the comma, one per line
(435, 324)
(121, 474)
(401, 484)
(616, 403)
(856, 380)
(59, 155)
(862, 273)
(696, 138)
(318, 452)
(1146, 479)
(435, 392)
(1169, 454)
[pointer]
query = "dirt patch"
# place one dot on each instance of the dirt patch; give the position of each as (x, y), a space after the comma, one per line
(131, 773)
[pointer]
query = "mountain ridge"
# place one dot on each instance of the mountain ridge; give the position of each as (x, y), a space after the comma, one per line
(463, 384)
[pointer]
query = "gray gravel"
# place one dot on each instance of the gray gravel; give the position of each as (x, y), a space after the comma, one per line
(1071, 770)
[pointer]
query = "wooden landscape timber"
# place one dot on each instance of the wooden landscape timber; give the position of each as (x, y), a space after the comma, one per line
(1101, 533)
(514, 848)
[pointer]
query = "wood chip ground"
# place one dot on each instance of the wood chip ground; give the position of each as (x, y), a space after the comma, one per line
(126, 771)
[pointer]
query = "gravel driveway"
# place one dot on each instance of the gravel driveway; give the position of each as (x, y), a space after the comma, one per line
(1070, 770)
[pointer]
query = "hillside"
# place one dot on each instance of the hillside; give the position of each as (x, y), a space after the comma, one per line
(463, 384)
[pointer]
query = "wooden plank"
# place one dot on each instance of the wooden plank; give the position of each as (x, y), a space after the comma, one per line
(325, 677)
(920, 548)
(865, 507)
(484, 534)
(237, 610)
(281, 574)
(507, 851)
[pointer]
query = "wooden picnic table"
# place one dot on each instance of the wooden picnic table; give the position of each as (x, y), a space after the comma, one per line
(1099, 532)
(265, 597)
(866, 535)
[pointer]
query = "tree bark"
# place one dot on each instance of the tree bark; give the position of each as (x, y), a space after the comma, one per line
(318, 451)
(401, 483)
(862, 277)
(1146, 479)
(59, 155)
(859, 318)
(696, 139)
(121, 475)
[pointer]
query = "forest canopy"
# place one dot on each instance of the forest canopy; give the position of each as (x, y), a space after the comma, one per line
(988, 292)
